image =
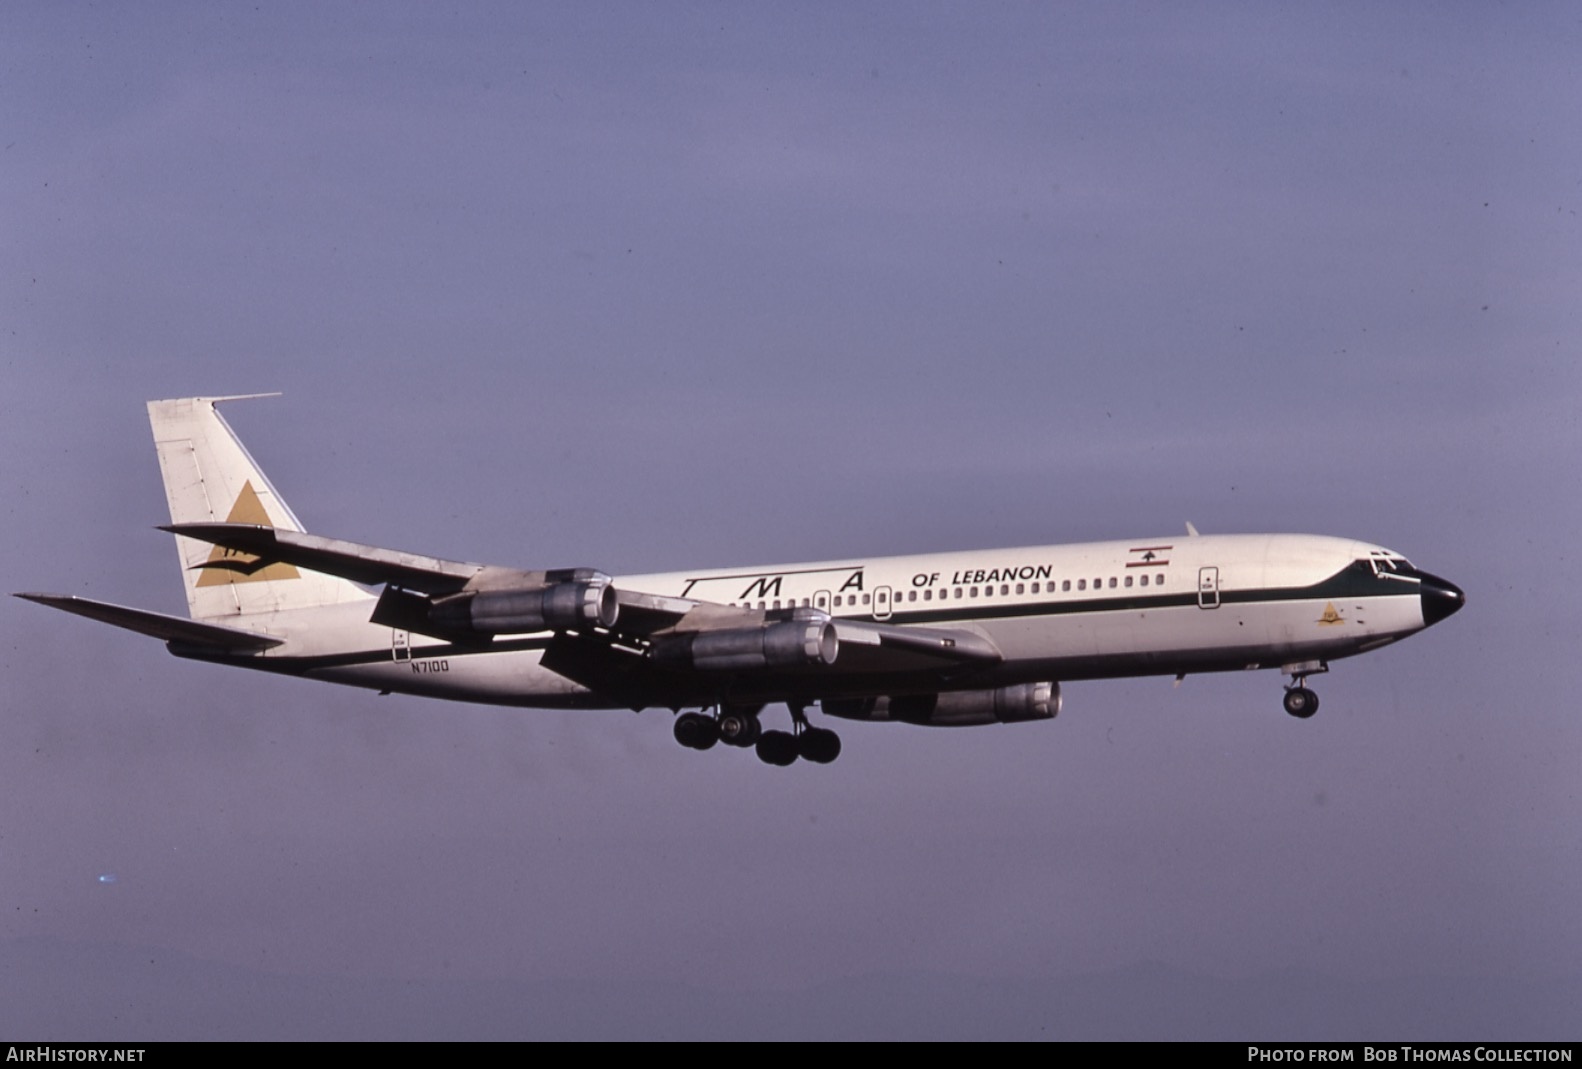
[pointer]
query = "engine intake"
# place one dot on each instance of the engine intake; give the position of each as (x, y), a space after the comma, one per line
(960, 708)
(786, 644)
(566, 606)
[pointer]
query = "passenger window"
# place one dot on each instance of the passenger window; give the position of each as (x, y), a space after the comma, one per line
(1128, 580)
(865, 598)
(1082, 584)
(928, 595)
(1112, 582)
(1020, 587)
(1159, 580)
(1145, 581)
(1066, 585)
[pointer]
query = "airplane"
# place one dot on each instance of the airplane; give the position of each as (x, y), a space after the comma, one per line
(947, 640)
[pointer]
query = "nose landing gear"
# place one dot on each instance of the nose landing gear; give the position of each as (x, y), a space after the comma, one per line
(1299, 701)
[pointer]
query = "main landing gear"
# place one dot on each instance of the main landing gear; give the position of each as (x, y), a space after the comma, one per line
(739, 727)
(1299, 701)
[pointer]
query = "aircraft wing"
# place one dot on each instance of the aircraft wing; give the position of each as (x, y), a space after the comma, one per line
(924, 656)
(600, 655)
(257, 546)
(332, 556)
(157, 624)
(644, 614)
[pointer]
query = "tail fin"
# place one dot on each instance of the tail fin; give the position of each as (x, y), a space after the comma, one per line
(210, 477)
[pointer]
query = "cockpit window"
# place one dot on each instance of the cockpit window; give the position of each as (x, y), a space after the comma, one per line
(1389, 563)
(1386, 567)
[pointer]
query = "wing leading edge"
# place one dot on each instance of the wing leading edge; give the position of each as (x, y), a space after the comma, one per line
(348, 560)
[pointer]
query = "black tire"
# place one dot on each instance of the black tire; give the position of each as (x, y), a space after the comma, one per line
(696, 731)
(739, 729)
(1301, 702)
(819, 745)
(710, 729)
(778, 748)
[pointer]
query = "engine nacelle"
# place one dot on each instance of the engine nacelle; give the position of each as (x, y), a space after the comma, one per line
(786, 644)
(564, 606)
(960, 708)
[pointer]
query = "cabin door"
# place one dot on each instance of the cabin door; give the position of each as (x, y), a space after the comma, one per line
(1208, 588)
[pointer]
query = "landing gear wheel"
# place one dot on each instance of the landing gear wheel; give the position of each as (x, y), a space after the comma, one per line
(1301, 702)
(778, 748)
(819, 745)
(696, 731)
(739, 729)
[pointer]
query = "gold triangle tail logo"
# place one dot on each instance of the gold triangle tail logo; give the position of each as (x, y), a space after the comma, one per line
(231, 566)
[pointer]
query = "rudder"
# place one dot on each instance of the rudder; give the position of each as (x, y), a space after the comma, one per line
(210, 477)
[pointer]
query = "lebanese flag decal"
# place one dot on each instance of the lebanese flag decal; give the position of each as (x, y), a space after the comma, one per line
(1149, 556)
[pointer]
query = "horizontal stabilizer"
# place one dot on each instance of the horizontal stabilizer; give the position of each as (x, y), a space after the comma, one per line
(157, 624)
(331, 556)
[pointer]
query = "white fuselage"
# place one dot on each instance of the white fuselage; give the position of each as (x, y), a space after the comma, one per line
(1104, 609)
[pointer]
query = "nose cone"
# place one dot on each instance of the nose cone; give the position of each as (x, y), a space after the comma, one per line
(1440, 598)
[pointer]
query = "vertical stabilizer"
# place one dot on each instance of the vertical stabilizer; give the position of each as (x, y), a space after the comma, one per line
(210, 477)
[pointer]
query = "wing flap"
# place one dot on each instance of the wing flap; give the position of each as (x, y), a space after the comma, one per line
(157, 624)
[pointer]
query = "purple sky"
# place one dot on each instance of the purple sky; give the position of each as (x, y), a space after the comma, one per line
(639, 286)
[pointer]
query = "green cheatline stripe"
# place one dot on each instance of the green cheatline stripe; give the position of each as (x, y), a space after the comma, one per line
(1347, 583)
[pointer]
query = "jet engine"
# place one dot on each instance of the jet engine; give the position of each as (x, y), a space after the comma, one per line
(584, 601)
(787, 644)
(960, 708)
